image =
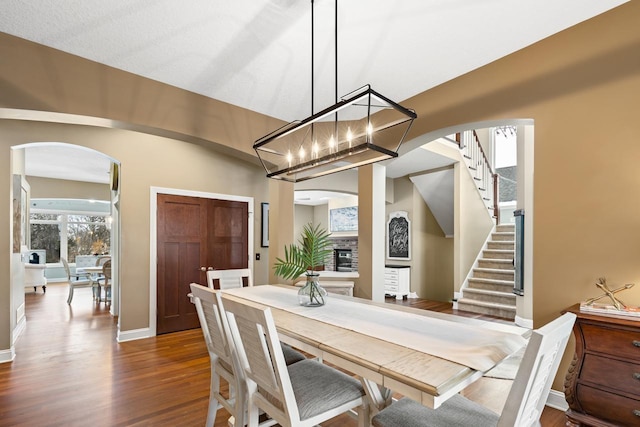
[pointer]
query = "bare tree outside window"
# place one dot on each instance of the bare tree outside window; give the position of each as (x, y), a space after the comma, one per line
(45, 234)
(85, 235)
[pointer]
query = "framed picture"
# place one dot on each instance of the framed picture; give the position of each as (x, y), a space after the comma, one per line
(21, 234)
(343, 219)
(264, 242)
(399, 236)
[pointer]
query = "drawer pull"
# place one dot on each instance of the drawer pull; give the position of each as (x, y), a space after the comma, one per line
(636, 412)
(636, 375)
(636, 343)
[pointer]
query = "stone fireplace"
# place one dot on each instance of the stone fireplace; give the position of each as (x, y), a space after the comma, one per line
(346, 244)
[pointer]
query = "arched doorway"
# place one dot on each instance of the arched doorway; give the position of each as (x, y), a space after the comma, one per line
(71, 209)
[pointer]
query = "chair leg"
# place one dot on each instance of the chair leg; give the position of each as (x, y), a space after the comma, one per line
(70, 294)
(214, 389)
(364, 415)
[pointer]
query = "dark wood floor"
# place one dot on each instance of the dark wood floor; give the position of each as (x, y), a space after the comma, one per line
(69, 371)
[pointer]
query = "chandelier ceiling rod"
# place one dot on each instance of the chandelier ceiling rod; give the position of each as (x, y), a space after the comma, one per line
(335, 41)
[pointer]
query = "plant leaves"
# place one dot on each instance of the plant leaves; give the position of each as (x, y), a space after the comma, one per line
(312, 249)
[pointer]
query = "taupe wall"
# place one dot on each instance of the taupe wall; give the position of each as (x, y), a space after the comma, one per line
(64, 189)
(431, 252)
(148, 161)
(303, 215)
(580, 87)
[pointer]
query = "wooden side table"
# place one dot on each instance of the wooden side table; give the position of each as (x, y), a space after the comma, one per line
(602, 386)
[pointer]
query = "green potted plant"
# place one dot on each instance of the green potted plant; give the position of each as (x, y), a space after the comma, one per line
(305, 257)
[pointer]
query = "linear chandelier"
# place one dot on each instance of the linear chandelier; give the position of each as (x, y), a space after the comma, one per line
(362, 127)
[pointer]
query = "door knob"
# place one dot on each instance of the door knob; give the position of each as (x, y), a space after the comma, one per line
(203, 269)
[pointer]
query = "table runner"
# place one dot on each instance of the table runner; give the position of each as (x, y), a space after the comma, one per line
(473, 346)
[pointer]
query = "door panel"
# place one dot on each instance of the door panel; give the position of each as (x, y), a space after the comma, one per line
(181, 234)
(192, 233)
(228, 244)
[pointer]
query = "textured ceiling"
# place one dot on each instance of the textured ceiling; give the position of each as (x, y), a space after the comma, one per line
(256, 53)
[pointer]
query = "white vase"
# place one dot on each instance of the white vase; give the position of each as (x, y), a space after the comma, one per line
(312, 294)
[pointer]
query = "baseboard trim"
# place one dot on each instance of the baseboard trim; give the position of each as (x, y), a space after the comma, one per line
(22, 324)
(7, 355)
(134, 334)
(525, 323)
(556, 400)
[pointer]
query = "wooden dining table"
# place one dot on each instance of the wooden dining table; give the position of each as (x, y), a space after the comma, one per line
(392, 348)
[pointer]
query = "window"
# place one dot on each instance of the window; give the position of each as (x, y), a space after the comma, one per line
(68, 235)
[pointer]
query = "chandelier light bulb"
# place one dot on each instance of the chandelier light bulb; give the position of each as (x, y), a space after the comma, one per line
(332, 143)
(315, 149)
(289, 158)
(349, 136)
(301, 153)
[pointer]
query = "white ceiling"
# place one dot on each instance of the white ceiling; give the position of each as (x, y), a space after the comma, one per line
(256, 53)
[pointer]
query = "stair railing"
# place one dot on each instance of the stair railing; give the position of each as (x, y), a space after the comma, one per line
(488, 182)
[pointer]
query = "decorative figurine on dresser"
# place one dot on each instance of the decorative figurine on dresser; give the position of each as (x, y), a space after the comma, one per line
(602, 386)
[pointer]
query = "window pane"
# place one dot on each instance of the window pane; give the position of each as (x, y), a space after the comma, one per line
(44, 216)
(47, 237)
(86, 238)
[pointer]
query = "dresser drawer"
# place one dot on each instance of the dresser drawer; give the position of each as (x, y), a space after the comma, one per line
(391, 274)
(610, 373)
(390, 288)
(391, 283)
(622, 343)
(609, 407)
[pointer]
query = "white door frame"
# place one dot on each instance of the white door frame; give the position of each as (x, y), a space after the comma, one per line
(153, 239)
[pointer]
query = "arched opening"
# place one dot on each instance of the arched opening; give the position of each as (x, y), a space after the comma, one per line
(68, 210)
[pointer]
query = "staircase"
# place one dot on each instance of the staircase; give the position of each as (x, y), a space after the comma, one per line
(490, 288)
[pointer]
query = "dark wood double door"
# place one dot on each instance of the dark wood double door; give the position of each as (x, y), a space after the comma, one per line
(194, 234)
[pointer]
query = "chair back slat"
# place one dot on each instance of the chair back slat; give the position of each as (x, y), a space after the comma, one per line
(227, 279)
(221, 352)
(213, 329)
(539, 365)
(260, 354)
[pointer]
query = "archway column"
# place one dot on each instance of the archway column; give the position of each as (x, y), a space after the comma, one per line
(371, 231)
(281, 220)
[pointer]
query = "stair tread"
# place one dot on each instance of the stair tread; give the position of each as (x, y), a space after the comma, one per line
(498, 260)
(492, 281)
(489, 270)
(487, 304)
(490, 292)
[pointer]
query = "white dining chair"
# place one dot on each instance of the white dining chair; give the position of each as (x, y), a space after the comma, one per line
(525, 401)
(78, 280)
(303, 394)
(223, 362)
(215, 331)
(104, 281)
(227, 279)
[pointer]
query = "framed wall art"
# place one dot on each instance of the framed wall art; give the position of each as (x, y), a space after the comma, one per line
(343, 219)
(399, 236)
(264, 242)
(21, 233)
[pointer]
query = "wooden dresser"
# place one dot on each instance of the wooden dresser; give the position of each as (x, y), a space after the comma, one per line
(602, 386)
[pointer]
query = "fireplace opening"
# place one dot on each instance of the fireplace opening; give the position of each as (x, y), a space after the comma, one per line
(343, 259)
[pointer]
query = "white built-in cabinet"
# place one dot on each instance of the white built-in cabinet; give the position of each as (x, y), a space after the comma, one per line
(396, 280)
